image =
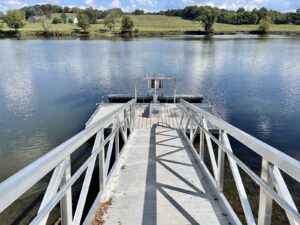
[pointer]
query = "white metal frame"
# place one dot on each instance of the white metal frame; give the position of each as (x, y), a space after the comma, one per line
(271, 183)
(160, 77)
(60, 185)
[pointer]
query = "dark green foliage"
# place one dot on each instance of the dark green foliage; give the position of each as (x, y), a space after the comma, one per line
(15, 19)
(63, 17)
(1, 15)
(91, 13)
(48, 15)
(127, 25)
(208, 18)
(70, 20)
(241, 16)
(83, 20)
(56, 20)
(138, 12)
(66, 9)
(115, 11)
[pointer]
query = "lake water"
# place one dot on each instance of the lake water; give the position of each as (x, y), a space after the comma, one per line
(49, 88)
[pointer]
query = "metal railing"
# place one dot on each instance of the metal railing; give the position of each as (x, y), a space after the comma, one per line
(271, 183)
(58, 159)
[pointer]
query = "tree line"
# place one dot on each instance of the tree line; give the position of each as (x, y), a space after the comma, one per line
(207, 15)
(238, 17)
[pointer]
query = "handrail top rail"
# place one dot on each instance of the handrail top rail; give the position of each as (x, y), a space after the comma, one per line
(10, 189)
(283, 161)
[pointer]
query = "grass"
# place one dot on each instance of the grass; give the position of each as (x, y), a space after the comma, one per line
(160, 24)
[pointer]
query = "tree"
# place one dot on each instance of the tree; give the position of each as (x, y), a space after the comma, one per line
(262, 13)
(208, 19)
(48, 15)
(63, 17)
(83, 21)
(264, 26)
(254, 18)
(66, 9)
(46, 25)
(15, 19)
(56, 20)
(127, 24)
(110, 21)
(91, 13)
(1, 15)
(139, 12)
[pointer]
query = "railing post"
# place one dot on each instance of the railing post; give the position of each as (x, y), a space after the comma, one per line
(191, 130)
(117, 142)
(221, 159)
(125, 123)
(102, 175)
(265, 201)
(130, 119)
(201, 144)
(66, 201)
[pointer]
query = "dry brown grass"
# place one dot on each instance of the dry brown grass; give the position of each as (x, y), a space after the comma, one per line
(102, 210)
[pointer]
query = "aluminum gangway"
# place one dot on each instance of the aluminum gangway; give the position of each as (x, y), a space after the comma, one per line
(154, 174)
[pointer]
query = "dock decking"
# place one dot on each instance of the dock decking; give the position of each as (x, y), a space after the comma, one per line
(161, 183)
(169, 115)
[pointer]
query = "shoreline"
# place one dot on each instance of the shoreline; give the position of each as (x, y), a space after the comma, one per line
(92, 35)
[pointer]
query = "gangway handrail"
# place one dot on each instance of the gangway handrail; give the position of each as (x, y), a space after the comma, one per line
(59, 160)
(286, 163)
(273, 161)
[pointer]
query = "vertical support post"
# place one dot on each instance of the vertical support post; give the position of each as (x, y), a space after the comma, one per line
(221, 160)
(66, 201)
(117, 142)
(175, 87)
(181, 120)
(129, 119)
(125, 123)
(201, 145)
(102, 175)
(191, 130)
(135, 90)
(265, 202)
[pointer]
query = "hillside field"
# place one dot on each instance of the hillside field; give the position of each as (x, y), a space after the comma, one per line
(160, 24)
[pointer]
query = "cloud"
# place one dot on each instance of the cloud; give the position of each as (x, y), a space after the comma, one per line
(90, 2)
(116, 4)
(11, 4)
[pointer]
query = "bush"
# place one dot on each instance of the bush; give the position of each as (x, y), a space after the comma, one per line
(264, 27)
(56, 21)
(136, 30)
(127, 24)
(70, 20)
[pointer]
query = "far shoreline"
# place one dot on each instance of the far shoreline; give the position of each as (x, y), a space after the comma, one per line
(94, 35)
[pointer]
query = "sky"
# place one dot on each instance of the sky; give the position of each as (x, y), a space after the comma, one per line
(157, 5)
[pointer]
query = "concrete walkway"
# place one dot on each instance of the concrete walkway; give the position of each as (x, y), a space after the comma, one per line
(161, 183)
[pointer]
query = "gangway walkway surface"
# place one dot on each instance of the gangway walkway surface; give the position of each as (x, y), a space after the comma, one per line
(162, 183)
